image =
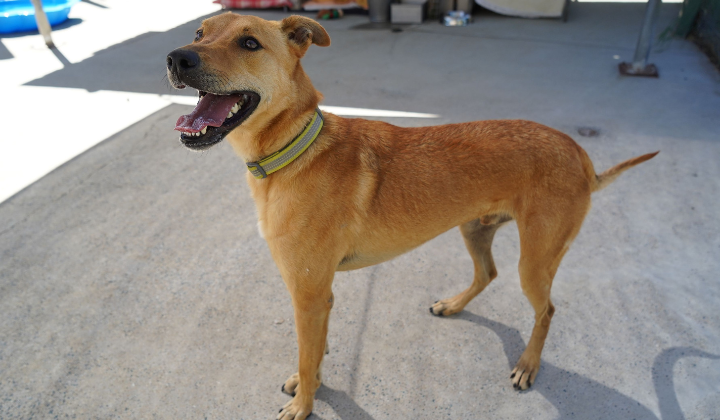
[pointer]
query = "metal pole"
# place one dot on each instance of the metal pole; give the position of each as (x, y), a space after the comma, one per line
(640, 66)
(42, 23)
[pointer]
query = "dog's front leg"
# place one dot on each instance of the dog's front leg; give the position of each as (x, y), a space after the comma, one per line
(312, 301)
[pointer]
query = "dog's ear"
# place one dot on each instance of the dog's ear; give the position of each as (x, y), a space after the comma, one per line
(302, 31)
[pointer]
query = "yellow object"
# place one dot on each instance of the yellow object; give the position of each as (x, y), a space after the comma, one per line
(289, 153)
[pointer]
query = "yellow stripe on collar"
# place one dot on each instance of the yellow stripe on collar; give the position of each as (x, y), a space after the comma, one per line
(287, 154)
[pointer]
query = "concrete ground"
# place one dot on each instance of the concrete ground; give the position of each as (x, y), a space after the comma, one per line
(134, 284)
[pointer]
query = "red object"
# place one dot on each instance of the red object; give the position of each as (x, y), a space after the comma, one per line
(253, 4)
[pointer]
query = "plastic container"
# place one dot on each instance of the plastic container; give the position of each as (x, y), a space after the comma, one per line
(379, 10)
(19, 15)
(406, 13)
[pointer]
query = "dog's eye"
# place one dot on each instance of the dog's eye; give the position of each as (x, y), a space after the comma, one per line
(198, 34)
(250, 44)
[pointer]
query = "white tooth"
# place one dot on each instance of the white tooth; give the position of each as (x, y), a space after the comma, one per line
(204, 130)
(235, 108)
(230, 114)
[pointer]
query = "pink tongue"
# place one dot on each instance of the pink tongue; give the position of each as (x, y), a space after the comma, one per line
(210, 111)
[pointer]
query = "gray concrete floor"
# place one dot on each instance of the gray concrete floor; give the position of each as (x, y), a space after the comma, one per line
(133, 282)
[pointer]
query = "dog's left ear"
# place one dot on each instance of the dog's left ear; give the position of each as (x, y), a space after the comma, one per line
(302, 31)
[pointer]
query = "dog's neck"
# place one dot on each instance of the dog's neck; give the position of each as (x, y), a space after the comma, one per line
(285, 156)
(252, 146)
(271, 132)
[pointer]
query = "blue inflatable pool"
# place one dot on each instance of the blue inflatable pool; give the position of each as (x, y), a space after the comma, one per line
(19, 15)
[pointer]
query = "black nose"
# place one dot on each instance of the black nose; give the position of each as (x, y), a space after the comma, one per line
(182, 60)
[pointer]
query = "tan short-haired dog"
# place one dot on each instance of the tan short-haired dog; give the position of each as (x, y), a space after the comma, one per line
(339, 194)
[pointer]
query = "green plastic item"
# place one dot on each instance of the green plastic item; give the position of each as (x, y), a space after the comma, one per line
(687, 17)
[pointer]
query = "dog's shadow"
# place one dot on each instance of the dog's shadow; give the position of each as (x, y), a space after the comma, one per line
(342, 404)
(574, 396)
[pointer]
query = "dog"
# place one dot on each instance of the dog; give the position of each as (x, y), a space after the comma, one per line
(335, 194)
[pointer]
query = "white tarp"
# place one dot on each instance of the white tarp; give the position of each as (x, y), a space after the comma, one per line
(525, 8)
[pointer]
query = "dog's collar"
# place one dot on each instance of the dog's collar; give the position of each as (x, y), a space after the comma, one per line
(289, 153)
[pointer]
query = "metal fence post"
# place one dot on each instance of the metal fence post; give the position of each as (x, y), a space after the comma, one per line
(42, 23)
(640, 66)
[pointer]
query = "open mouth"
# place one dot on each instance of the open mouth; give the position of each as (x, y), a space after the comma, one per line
(214, 116)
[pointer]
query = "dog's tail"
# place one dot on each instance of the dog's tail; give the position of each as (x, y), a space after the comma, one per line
(598, 182)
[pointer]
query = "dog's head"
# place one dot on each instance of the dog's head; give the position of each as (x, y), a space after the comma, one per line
(242, 67)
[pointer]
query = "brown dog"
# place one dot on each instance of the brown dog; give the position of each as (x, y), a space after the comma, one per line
(362, 192)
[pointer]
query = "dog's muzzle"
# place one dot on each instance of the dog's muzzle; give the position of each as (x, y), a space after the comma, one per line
(217, 112)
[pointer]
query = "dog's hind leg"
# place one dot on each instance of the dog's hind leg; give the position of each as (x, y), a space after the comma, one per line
(478, 235)
(545, 235)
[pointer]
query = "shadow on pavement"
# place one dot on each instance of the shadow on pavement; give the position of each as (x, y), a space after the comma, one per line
(59, 55)
(95, 4)
(574, 394)
(59, 27)
(662, 374)
(135, 65)
(4, 52)
(342, 404)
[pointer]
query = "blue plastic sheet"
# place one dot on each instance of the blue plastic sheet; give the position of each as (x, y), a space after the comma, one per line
(19, 15)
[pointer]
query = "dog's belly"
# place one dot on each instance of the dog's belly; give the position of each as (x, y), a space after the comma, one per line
(356, 261)
(400, 232)
(379, 244)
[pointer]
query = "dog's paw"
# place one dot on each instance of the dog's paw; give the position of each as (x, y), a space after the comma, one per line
(289, 387)
(295, 410)
(524, 373)
(445, 307)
